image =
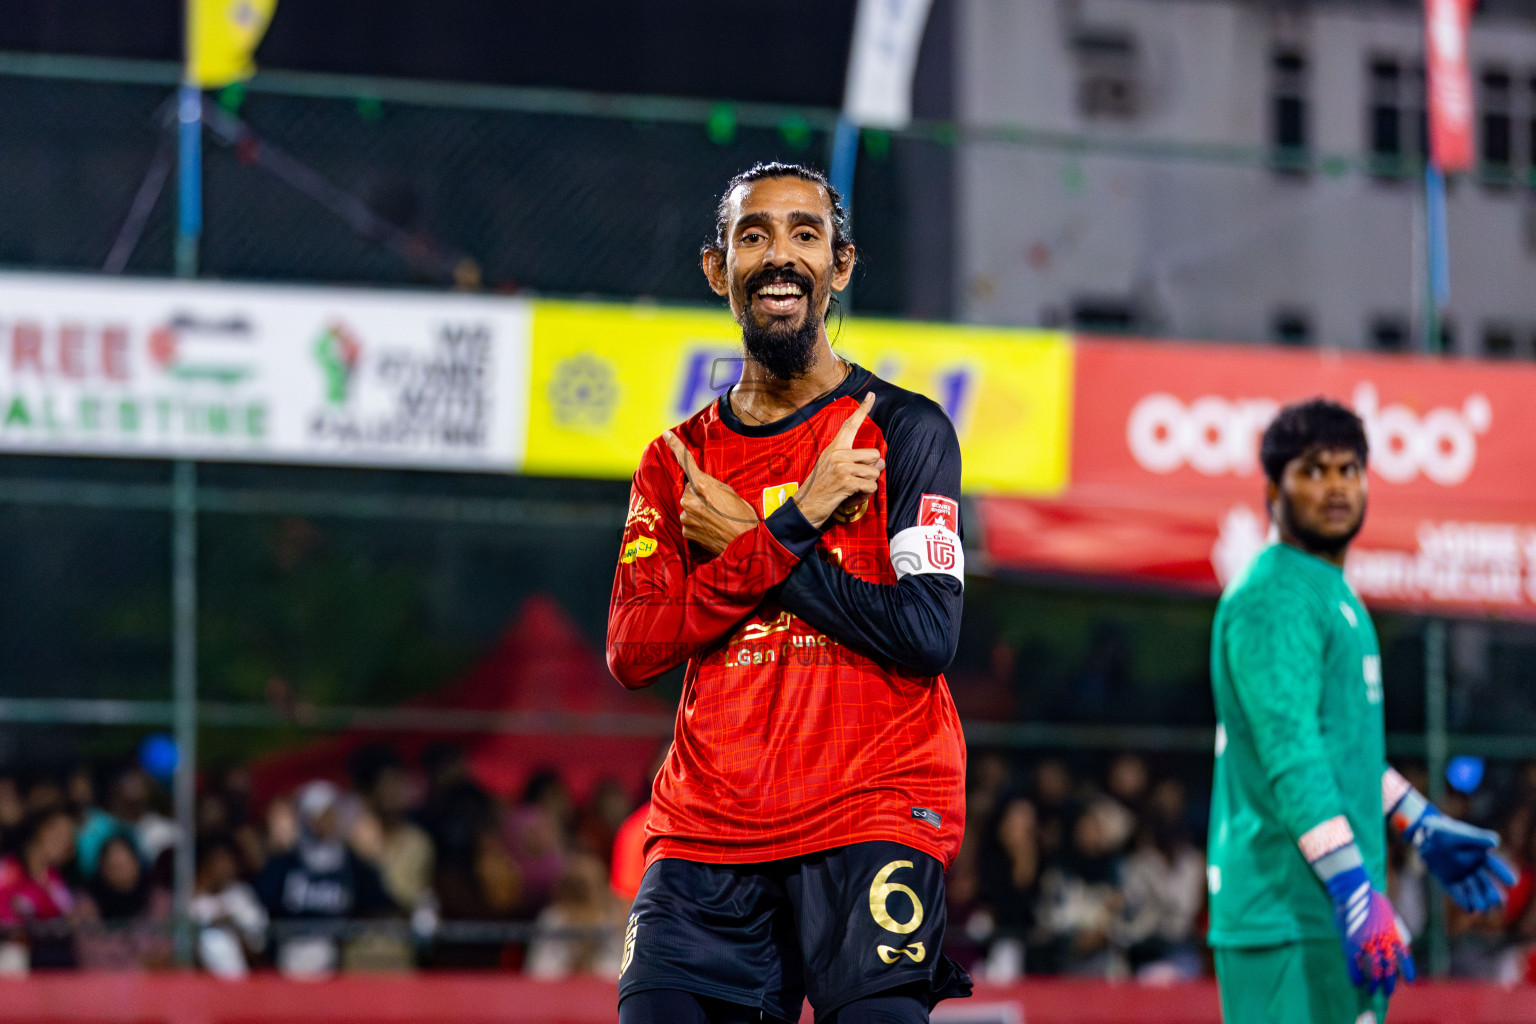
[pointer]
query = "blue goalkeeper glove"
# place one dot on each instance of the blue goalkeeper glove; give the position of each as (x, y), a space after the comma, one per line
(1374, 948)
(1461, 856)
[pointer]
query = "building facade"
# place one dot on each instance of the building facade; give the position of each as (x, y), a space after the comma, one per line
(1235, 170)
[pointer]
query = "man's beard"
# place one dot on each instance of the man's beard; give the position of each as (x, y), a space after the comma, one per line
(1310, 539)
(784, 352)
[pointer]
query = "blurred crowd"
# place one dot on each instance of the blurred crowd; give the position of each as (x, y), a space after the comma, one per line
(1101, 874)
(1067, 871)
(404, 867)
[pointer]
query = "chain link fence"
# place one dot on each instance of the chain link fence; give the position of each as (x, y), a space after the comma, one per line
(365, 190)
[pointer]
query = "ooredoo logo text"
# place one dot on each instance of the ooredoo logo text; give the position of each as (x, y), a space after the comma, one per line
(1217, 436)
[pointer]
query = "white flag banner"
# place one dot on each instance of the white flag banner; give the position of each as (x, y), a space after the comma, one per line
(106, 366)
(886, 36)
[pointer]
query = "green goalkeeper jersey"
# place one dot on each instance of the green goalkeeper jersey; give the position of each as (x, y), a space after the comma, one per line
(1299, 740)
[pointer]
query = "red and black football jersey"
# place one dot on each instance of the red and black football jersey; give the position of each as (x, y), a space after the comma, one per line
(814, 711)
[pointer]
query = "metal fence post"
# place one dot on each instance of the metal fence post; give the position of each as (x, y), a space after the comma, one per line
(184, 685)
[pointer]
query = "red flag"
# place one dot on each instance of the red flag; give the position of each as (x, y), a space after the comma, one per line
(1450, 83)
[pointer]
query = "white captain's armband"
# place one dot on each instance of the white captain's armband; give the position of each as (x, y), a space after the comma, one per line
(932, 545)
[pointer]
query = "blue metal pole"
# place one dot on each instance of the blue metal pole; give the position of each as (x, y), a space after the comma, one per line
(845, 155)
(189, 207)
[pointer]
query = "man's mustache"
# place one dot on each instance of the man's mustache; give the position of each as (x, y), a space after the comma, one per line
(778, 275)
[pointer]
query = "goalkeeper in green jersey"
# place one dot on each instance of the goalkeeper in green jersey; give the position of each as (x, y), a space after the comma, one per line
(1302, 790)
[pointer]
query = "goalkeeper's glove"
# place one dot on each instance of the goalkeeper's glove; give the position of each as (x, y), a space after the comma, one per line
(1375, 946)
(1459, 855)
(1375, 943)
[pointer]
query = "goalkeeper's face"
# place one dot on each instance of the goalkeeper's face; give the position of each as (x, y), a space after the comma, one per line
(778, 270)
(1319, 504)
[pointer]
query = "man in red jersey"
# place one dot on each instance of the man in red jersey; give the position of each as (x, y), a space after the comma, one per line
(797, 543)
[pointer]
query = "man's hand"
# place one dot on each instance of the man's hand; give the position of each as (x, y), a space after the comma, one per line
(1375, 950)
(841, 470)
(1461, 856)
(712, 513)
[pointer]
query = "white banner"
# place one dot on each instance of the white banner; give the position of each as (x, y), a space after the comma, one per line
(886, 36)
(105, 366)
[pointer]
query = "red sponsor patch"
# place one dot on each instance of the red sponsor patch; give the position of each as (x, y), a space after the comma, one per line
(937, 510)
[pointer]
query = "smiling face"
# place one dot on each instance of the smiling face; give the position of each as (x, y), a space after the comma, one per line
(778, 270)
(1319, 503)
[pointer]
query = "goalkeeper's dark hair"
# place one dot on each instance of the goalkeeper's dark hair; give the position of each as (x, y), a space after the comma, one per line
(842, 239)
(1307, 426)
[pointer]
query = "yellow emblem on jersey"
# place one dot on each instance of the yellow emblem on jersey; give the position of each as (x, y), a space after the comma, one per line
(640, 547)
(851, 511)
(777, 495)
(631, 933)
(890, 954)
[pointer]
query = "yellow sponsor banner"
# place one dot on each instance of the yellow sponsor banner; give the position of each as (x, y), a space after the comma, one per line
(605, 380)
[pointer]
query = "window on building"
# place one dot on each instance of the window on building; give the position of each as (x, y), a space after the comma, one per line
(1289, 131)
(1386, 116)
(1530, 132)
(1292, 327)
(1397, 126)
(1104, 313)
(1418, 112)
(1108, 77)
(1389, 333)
(1496, 150)
(1447, 334)
(1499, 340)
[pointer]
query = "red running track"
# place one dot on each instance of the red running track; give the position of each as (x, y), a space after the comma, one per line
(493, 999)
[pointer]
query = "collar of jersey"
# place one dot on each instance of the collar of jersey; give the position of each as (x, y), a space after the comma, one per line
(1307, 558)
(857, 378)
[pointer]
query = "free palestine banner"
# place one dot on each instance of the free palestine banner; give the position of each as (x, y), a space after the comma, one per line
(98, 366)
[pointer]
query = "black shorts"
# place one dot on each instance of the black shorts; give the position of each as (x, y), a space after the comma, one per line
(833, 926)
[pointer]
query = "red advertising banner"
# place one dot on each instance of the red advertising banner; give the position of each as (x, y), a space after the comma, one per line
(1450, 83)
(1165, 485)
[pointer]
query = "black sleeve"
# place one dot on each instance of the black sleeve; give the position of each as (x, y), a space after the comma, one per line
(914, 622)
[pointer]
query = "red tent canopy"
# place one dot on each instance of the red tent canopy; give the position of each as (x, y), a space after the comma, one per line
(571, 716)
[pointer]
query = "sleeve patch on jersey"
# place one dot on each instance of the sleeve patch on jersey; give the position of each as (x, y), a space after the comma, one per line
(1322, 839)
(928, 549)
(938, 510)
(641, 547)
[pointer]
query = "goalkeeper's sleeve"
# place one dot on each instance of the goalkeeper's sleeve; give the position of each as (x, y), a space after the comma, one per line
(1274, 647)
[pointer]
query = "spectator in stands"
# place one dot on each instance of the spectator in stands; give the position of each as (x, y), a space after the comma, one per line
(475, 878)
(1520, 913)
(127, 812)
(44, 794)
(319, 880)
(232, 923)
(1056, 808)
(1009, 876)
(538, 834)
(989, 778)
(125, 919)
(582, 930)
(80, 790)
(598, 822)
(403, 850)
(12, 810)
(1164, 891)
(1080, 900)
(37, 909)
